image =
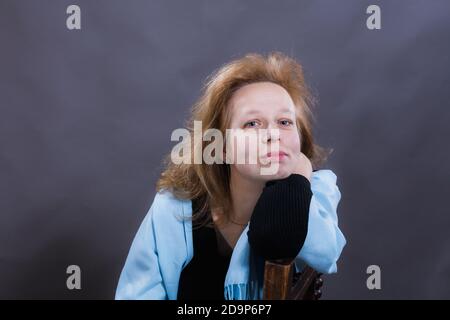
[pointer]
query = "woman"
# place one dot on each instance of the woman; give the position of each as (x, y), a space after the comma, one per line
(234, 214)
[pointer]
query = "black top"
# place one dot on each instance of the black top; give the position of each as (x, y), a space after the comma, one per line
(279, 221)
(277, 230)
(204, 276)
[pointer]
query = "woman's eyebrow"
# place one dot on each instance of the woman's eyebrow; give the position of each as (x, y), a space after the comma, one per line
(287, 111)
(251, 112)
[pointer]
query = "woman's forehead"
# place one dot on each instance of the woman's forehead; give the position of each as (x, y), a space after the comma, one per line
(261, 97)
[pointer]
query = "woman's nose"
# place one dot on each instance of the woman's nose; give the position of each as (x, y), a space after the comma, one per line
(270, 134)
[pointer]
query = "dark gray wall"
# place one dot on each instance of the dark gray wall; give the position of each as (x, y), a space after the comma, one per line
(86, 118)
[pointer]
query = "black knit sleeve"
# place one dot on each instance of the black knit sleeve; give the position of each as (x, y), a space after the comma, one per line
(279, 221)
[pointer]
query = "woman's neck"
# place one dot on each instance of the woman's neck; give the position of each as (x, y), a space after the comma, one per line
(244, 195)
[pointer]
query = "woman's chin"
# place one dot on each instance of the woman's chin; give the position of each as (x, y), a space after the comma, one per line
(280, 174)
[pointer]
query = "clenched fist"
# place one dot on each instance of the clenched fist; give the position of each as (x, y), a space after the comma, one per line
(302, 165)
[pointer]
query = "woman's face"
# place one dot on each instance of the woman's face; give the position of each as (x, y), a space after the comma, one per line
(265, 105)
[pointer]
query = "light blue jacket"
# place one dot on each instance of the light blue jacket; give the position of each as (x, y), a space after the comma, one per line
(163, 246)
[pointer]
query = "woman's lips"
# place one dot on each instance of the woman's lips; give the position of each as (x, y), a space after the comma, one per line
(277, 155)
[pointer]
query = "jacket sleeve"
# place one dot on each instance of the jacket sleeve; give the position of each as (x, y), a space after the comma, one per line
(324, 241)
(141, 277)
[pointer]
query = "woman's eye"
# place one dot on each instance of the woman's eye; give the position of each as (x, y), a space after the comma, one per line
(286, 122)
(250, 124)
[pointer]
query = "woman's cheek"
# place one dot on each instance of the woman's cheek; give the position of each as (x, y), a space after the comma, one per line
(248, 170)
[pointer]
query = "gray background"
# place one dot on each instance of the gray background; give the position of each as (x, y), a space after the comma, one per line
(86, 118)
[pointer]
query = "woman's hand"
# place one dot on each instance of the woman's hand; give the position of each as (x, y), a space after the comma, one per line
(302, 165)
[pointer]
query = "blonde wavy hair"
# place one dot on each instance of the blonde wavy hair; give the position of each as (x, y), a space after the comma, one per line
(209, 184)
